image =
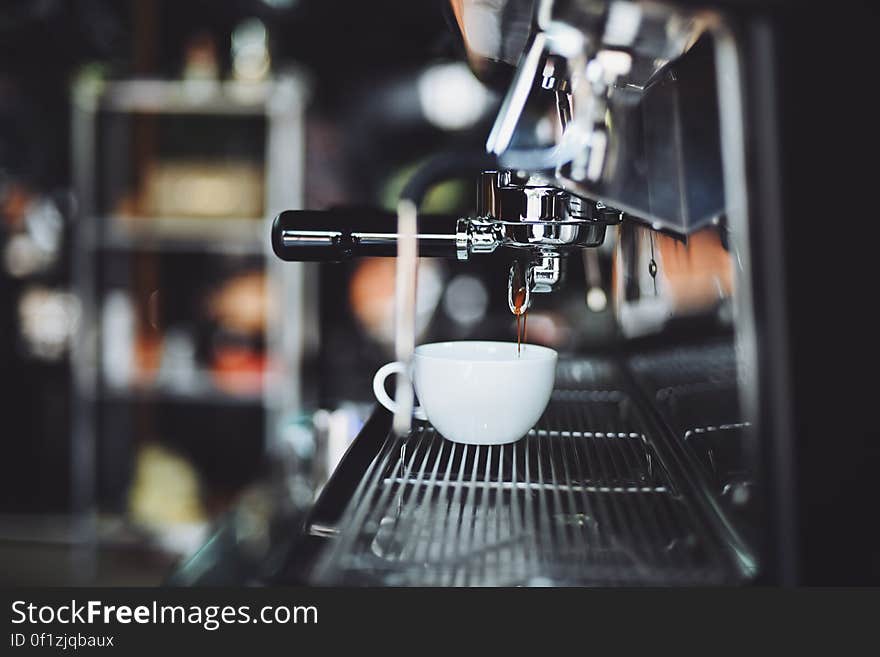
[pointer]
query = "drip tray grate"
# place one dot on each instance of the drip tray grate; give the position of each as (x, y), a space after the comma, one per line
(582, 500)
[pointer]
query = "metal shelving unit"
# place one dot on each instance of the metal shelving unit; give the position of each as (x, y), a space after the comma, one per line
(279, 102)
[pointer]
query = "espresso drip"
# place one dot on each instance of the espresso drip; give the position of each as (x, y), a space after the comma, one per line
(521, 335)
(519, 308)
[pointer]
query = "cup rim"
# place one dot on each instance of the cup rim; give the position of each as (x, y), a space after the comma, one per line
(538, 353)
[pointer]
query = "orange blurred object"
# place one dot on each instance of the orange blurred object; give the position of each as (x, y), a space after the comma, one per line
(15, 202)
(697, 274)
(238, 370)
(147, 355)
(372, 297)
(241, 304)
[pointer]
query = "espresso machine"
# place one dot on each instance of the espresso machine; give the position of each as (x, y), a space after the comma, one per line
(646, 133)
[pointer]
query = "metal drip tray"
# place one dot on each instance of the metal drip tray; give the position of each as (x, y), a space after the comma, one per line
(582, 499)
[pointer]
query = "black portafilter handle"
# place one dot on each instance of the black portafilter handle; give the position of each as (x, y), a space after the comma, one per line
(342, 233)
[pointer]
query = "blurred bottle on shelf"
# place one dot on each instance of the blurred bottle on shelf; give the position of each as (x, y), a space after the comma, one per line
(200, 58)
(239, 310)
(250, 51)
(118, 326)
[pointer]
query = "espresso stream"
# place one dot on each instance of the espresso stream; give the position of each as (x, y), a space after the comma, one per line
(522, 314)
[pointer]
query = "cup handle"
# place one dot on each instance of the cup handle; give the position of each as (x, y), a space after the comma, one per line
(394, 367)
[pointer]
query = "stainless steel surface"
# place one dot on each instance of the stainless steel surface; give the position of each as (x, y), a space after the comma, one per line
(551, 236)
(405, 285)
(328, 237)
(515, 101)
(583, 499)
(513, 197)
(481, 236)
(294, 335)
(523, 212)
(84, 349)
(294, 237)
(632, 130)
(540, 275)
(519, 279)
(545, 272)
(695, 390)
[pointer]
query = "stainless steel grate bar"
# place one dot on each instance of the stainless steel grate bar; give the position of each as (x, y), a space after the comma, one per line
(532, 485)
(432, 489)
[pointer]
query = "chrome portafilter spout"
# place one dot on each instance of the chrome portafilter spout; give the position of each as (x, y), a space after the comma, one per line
(539, 273)
(519, 288)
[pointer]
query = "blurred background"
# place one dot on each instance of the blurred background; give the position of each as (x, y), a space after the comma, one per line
(163, 374)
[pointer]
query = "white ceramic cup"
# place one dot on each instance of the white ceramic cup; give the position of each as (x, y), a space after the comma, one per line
(477, 392)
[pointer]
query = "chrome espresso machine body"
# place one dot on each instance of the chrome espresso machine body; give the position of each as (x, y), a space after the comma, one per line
(667, 458)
